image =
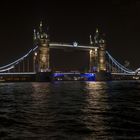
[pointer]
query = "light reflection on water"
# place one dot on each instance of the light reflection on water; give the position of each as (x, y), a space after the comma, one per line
(70, 110)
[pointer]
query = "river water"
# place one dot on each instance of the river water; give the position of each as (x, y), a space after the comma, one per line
(70, 110)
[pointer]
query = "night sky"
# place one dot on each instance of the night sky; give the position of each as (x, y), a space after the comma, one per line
(70, 21)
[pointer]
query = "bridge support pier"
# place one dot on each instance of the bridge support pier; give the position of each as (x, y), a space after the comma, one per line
(103, 76)
(43, 77)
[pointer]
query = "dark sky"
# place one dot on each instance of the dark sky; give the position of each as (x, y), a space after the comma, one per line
(69, 21)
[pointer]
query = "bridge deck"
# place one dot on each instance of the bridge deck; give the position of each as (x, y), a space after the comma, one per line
(18, 73)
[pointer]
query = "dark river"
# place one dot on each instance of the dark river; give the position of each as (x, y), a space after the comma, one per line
(70, 111)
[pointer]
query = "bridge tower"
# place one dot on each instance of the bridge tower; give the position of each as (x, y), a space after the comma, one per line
(102, 56)
(41, 40)
(102, 74)
(93, 56)
(97, 54)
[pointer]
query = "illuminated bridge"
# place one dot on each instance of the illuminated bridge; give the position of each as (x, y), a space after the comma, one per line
(35, 64)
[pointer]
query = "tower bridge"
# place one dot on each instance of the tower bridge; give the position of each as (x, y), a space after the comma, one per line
(35, 64)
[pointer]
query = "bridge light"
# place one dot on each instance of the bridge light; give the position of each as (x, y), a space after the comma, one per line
(35, 53)
(75, 44)
(101, 60)
(90, 51)
(41, 24)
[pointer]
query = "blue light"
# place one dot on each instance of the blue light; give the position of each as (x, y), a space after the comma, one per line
(80, 76)
(89, 76)
(58, 75)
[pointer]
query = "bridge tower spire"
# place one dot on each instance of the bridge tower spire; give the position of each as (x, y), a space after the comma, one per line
(35, 35)
(96, 37)
(40, 27)
(90, 38)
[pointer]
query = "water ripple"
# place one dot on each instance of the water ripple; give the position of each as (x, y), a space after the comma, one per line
(70, 110)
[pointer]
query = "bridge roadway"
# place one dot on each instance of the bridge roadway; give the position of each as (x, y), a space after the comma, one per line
(126, 74)
(44, 77)
(32, 73)
(61, 76)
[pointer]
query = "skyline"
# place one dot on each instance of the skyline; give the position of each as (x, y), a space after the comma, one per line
(69, 22)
